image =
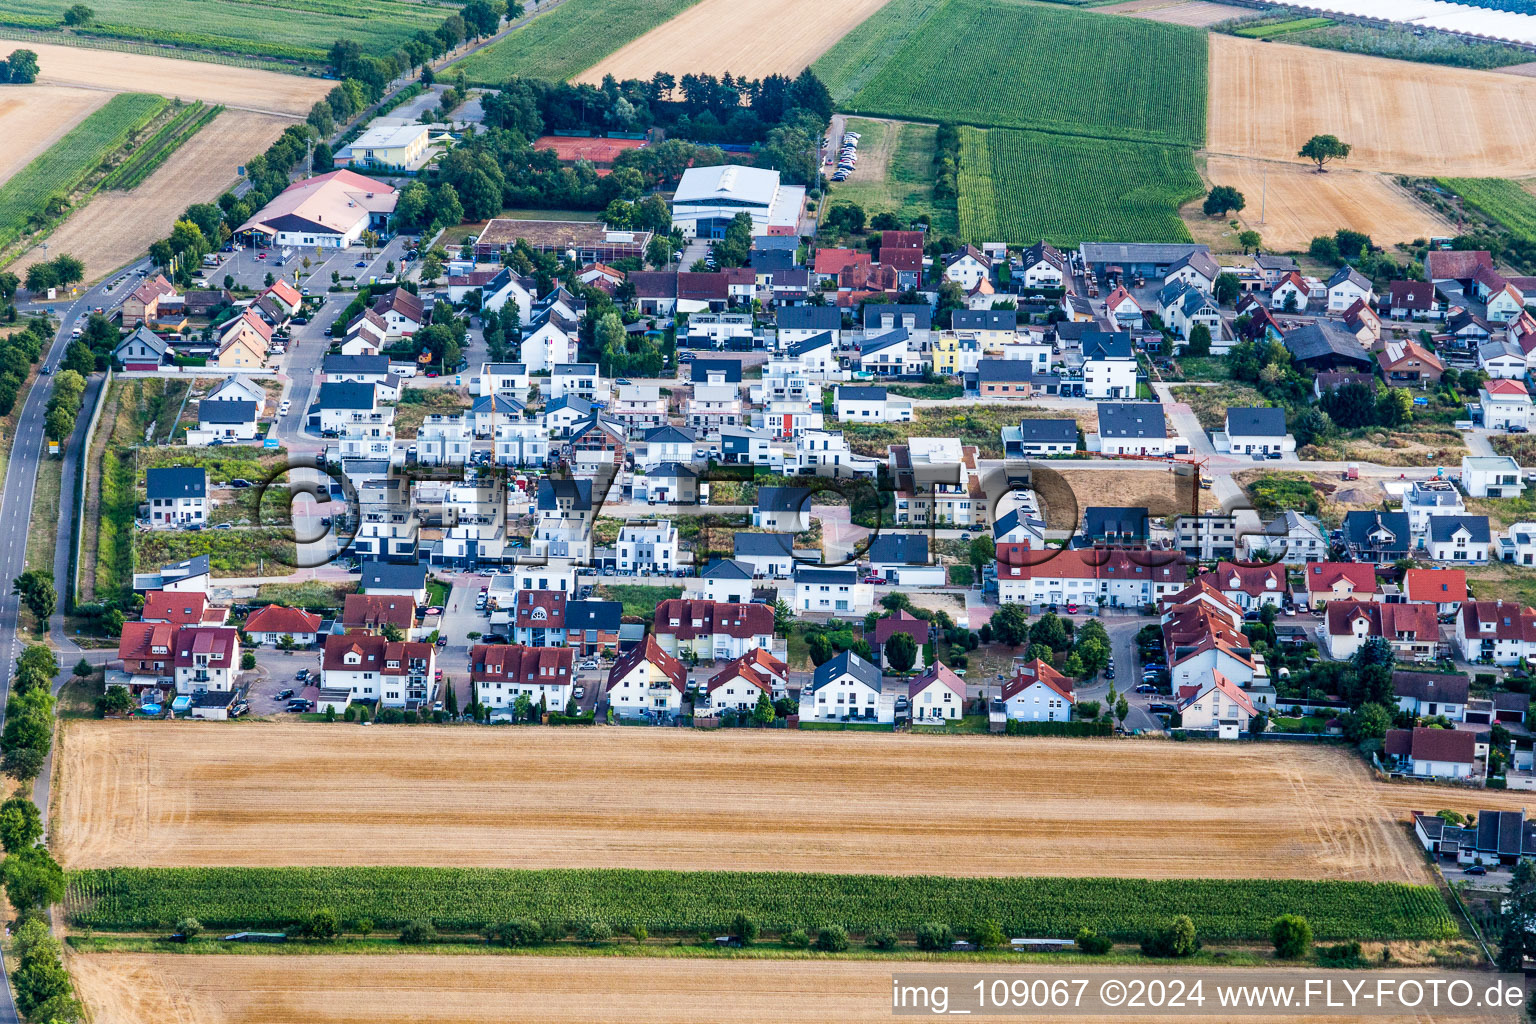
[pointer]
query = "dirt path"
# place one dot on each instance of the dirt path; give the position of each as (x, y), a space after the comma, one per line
(34, 117)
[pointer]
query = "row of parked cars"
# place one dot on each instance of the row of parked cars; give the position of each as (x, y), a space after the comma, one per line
(847, 157)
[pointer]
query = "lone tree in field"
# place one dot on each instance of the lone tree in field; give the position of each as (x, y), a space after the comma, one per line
(1222, 199)
(1322, 148)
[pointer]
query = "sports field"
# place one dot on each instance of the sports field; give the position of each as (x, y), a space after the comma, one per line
(236, 88)
(1020, 187)
(119, 226)
(749, 38)
(1015, 65)
(569, 39)
(34, 118)
(1298, 205)
(273, 794)
(1267, 99)
(424, 989)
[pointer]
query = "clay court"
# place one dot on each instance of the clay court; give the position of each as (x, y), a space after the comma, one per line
(1267, 99)
(109, 70)
(601, 152)
(749, 38)
(266, 793)
(425, 989)
(35, 118)
(1299, 205)
(117, 227)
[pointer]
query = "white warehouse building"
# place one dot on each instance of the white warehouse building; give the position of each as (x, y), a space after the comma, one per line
(709, 197)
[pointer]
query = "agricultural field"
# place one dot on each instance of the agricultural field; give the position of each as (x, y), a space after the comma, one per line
(299, 30)
(993, 77)
(406, 988)
(238, 88)
(1267, 99)
(1020, 187)
(895, 173)
(187, 121)
(1297, 205)
(568, 40)
(144, 795)
(749, 38)
(120, 225)
(1508, 202)
(65, 164)
(34, 118)
(1176, 12)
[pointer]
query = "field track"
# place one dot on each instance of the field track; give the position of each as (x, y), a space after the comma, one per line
(34, 117)
(236, 88)
(116, 227)
(1302, 205)
(426, 989)
(1267, 99)
(152, 794)
(750, 38)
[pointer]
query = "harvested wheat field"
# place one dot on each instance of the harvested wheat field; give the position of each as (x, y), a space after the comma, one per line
(115, 228)
(34, 118)
(750, 38)
(1267, 99)
(153, 794)
(247, 88)
(1176, 12)
(121, 988)
(1299, 204)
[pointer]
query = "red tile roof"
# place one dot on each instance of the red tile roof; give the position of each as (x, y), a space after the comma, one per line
(1459, 265)
(372, 611)
(1020, 562)
(1510, 621)
(832, 261)
(1253, 580)
(1227, 688)
(540, 609)
(1322, 576)
(936, 674)
(650, 651)
(687, 620)
(390, 658)
(145, 641)
(219, 642)
(901, 239)
(900, 259)
(287, 293)
(1393, 621)
(1436, 586)
(514, 663)
(275, 618)
(1423, 744)
(179, 609)
(1506, 387)
(757, 667)
(901, 622)
(1038, 671)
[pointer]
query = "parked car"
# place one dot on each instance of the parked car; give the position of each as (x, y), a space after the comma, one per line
(1146, 688)
(284, 694)
(579, 692)
(1475, 869)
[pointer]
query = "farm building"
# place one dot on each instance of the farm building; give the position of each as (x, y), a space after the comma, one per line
(328, 211)
(708, 198)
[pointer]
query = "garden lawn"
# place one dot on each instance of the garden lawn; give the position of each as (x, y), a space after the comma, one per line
(638, 600)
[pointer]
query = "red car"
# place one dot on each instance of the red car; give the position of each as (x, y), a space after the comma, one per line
(431, 373)
(1071, 609)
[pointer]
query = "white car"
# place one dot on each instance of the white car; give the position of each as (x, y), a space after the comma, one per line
(282, 410)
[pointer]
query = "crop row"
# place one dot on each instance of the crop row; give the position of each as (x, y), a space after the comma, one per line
(568, 40)
(1024, 186)
(1281, 28)
(155, 150)
(1013, 65)
(463, 899)
(1500, 199)
(65, 164)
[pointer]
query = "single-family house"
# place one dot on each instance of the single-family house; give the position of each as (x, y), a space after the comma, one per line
(1431, 693)
(1346, 286)
(1432, 753)
(1496, 632)
(1038, 693)
(1462, 538)
(846, 688)
(646, 681)
(936, 695)
(272, 623)
(178, 497)
(1217, 706)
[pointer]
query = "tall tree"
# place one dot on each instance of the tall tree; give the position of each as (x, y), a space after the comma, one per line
(1322, 148)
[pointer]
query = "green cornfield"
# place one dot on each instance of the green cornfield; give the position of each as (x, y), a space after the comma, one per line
(157, 149)
(301, 30)
(568, 40)
(675, 902)
(65, 164)
(1015, 65)
(1499, 199)
(1024, 186)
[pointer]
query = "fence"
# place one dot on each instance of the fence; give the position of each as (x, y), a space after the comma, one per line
(80, 472)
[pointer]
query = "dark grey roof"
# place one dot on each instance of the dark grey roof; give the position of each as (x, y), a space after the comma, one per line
(198, 565)
(771, 545)
(177, 481)
(347, 394)
(669, 434)
(355, 364)
(1013, 521)
(1048, 431)
(783, 499)
(1359, 524)
(1200, 262)
(578, 405)
(846, 663)
(1112, 521)
(1009, 371)
(852, 393)
(814, 574)
(810, 344)
(702, 368)
(1442, 528)
(880, 342)
(673, 470)
(226, 412)
(985, 320)
(574, 370)
(1132, 419)
(899, 549)
(1273, 261)
(727, 569)
(1511, 702)
(602, 615)
(789, 242)
(501, 406)
(1138, 252)
(1442, 687)
(394, 575)
(1326, 340)
(1107, 345)
(552, 492)
(768, 260)
(1253, 422)
(922, 314)
(1351, 275)
(809, 318)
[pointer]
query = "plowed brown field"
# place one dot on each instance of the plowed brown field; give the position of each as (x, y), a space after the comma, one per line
(1298, 204)
(116, 227)
(252, 89)
(425, 989)
(35, 117)
(274, 794)
(752, 38)
(1267, 99)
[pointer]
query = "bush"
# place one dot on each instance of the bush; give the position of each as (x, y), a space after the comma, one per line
(418, 933)
(1092, 943)
(745, 929)
(988, 935)
(934, 935)
(517, 932)
(187, 929)
(1176, 939)
(1292, 937)
(638, 932)
(1345, 954)
(594, 933)
(881, 940)
(796, 939)
(832, 939)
